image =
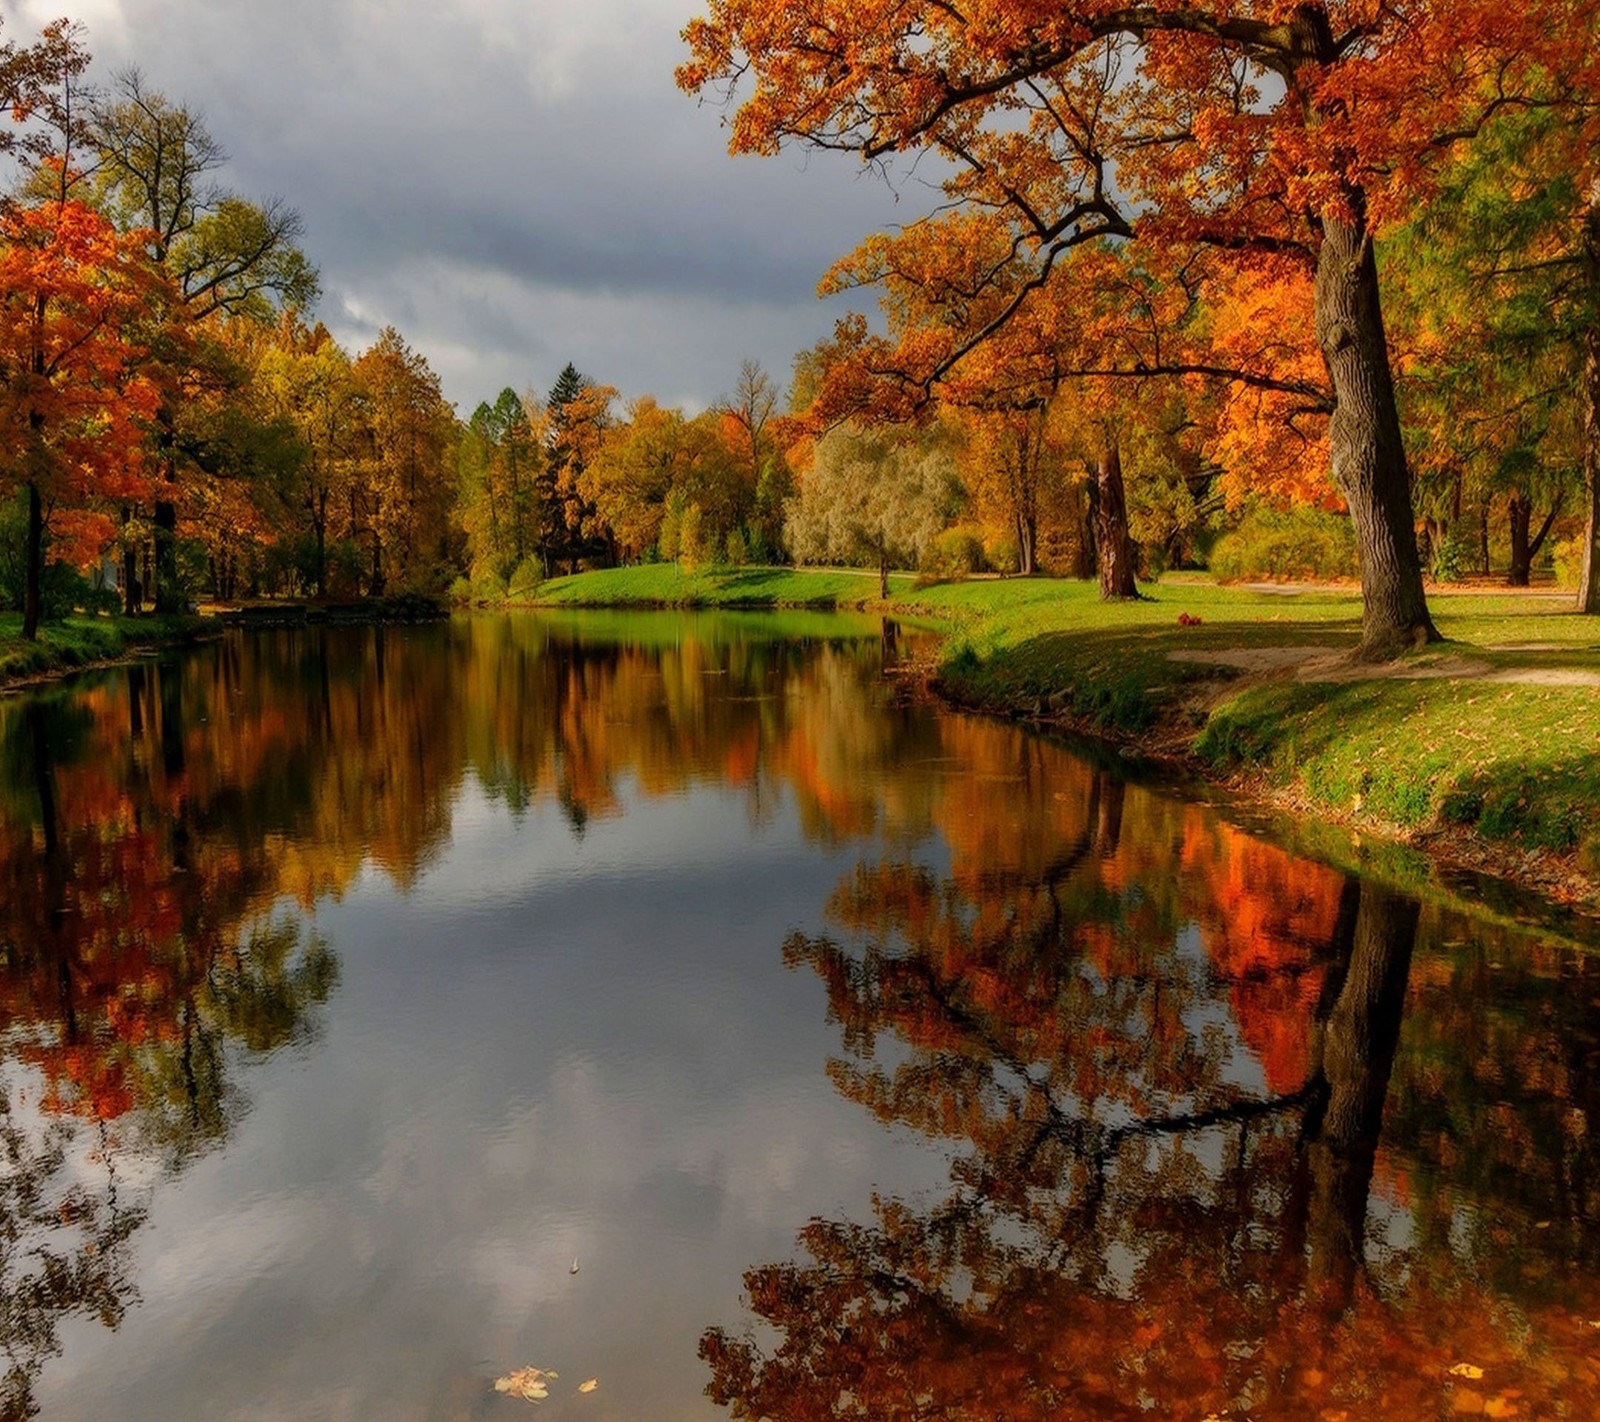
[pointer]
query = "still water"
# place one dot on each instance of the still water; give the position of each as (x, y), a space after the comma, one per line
(673, 1003)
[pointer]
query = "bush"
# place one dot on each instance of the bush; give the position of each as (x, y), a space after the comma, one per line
(525, 579)
(1454, 558)
(1287, 543)
(1567, 558)
(736, 551)
(1002, 554)
(956, 553)
(461, 592)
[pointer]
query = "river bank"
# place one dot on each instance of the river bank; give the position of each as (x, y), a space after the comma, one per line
(1482, 752)
(83, 643)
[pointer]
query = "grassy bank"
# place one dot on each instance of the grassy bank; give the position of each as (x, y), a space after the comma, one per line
(82, 641)
(666, 585)
(1495, 733)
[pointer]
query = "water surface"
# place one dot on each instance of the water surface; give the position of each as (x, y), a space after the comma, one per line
(869, 1061)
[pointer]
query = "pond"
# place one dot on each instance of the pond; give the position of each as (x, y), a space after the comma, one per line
(679, 1004)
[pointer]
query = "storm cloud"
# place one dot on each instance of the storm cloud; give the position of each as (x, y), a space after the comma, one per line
(512, 183)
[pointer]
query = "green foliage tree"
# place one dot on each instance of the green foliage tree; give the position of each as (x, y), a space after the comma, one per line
(876, 496)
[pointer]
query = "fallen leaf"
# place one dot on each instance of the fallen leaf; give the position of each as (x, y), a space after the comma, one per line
(530, 1384)
(1466, 1370)
(589, 1386)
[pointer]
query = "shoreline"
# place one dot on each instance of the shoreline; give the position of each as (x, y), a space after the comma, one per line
(1184, 713)
(1168, 749)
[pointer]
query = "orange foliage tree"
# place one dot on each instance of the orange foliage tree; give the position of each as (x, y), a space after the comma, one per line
(1256, 133)
(75, 296)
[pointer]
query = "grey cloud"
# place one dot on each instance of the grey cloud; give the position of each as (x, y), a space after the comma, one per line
(508, 181)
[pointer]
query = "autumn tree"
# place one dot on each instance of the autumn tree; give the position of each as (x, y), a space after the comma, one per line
(750, 419)
(75, 296)
(310, 383)
(406, 496)
(225, 256)
(1264, 135)
(642, 459)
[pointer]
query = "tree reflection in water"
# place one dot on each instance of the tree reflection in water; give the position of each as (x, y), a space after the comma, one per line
(135, 965)
(1231, 1134)
(1173, 1195)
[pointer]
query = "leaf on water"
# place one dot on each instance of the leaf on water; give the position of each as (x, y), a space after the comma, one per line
(530, 1384)
(589, 1386)
(1466, 1370)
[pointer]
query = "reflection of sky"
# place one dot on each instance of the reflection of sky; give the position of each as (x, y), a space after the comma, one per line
(555, 1048)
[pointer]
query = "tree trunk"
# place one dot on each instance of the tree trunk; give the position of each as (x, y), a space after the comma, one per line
(1521, 513)
(1027, 541)
(1369, 458)
(35, 564)
(1111, 541)
(1353, 1054)
(1483, 538)
(1589, 576)
(883, 577)
(169, 596)
(132, 602)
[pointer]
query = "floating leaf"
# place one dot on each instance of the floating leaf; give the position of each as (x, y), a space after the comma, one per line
(1466, 1370)
(530, 1384)
(589, 1386)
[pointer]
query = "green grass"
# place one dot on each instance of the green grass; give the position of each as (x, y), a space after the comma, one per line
(80, 641)
(1517, 763)
(666, 585)
(1019, 641)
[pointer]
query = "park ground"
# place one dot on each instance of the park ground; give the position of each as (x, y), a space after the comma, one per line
(1482, 750)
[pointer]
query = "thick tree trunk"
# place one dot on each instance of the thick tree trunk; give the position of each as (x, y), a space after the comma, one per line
(169, 596)
(883, 577)
(1521, 515)
(1589, 576)
(1369, 459)
(31, 596)
(1111, 540)
(1353, 1054)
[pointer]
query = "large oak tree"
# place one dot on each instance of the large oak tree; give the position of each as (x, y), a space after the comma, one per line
(1270, 132)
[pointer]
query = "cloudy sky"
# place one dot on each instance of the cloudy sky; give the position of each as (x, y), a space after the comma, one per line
(512, 183)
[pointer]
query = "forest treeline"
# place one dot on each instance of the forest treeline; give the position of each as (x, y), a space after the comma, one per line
(176, 425)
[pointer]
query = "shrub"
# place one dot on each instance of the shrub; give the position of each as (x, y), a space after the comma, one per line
(1567, 559)
(737, 550)
(955, 553)
(1002, 554)
(525, 578)
(1286, 543)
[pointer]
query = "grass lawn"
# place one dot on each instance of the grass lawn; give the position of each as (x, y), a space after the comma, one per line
(666, 585)
(79, 641)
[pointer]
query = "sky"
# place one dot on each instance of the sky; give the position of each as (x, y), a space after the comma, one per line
(513, 184)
